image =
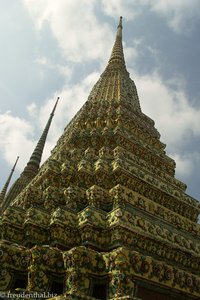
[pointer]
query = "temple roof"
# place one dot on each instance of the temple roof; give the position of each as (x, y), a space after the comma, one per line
(110, 122)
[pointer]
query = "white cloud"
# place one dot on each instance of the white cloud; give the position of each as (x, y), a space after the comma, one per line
(15, 139)
(185, 163)
(116, 8)
(32, 109)
(44, 62)
(74, 24)
(130, 54)
(174, 115)
(175, 118)
(179, 14)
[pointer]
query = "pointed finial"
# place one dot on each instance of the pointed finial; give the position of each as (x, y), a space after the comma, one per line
(117, 55)
(53, 111)
(120, 22)
(13, 169)
(4, 190)
(119, 28)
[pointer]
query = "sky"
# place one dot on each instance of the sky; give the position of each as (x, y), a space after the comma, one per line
(59, 48)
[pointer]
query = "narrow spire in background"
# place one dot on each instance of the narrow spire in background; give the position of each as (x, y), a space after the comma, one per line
(36, 156)
(4, 190)
(31, 169)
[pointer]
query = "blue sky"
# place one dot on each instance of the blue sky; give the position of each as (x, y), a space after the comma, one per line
(59, 48)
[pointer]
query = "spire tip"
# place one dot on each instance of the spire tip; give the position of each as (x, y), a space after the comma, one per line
(53, 111)
(120, 22)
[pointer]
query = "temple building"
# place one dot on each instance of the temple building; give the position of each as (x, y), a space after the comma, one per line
(104, 217)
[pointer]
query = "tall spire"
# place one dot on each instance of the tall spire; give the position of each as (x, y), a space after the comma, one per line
(117, 55)
(4, 190)
(36, 156)
(115, 83)
(31, 169)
